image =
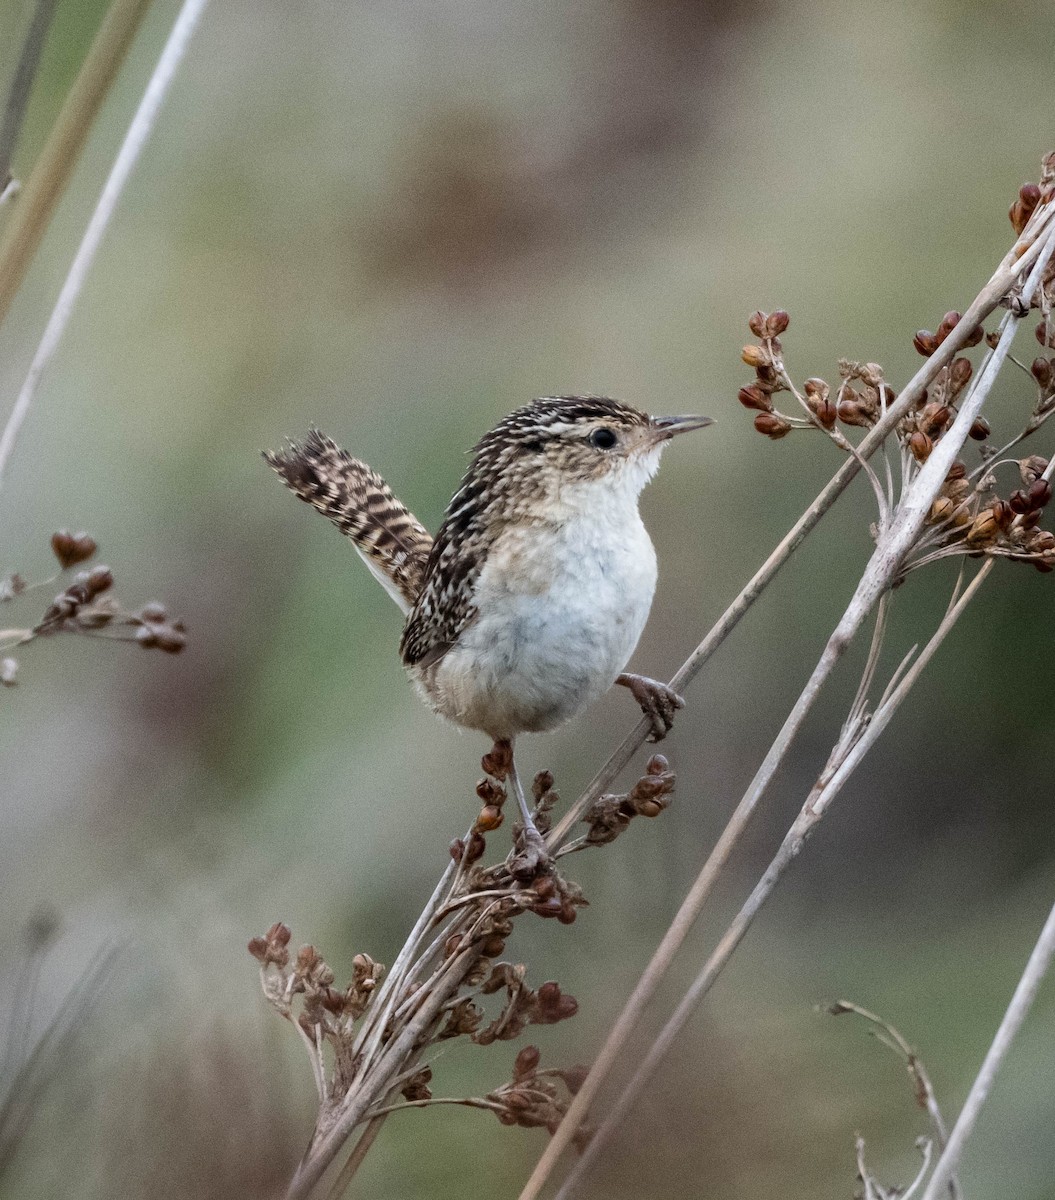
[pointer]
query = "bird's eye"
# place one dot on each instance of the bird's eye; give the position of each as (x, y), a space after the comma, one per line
(603, 438)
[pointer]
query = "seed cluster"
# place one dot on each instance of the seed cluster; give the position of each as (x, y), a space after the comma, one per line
(971, 515)
(86, 606)
(476, 919)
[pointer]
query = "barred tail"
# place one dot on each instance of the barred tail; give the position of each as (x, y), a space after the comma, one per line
(389, 538)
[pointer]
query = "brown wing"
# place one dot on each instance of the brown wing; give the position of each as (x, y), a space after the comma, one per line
(392, 541)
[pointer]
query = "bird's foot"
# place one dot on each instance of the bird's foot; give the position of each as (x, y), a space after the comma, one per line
(658, 702)
(530, 858)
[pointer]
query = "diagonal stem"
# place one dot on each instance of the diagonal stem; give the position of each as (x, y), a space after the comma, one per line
(1017, 1011)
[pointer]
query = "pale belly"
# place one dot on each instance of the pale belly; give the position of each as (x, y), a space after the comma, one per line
(560, 612)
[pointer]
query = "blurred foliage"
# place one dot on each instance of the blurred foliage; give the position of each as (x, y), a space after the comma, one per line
(400, 221)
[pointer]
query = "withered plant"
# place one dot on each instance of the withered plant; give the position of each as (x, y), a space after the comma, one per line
(370, 1043)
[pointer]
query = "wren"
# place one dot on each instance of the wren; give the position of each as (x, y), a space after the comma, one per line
(528, 603)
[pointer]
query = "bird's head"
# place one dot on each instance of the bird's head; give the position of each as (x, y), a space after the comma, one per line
(560, 441)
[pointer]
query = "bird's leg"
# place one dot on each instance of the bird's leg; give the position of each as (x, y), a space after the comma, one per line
(532, 857)
(658, 702)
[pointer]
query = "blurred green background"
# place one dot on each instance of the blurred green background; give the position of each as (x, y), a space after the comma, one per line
(400, 220)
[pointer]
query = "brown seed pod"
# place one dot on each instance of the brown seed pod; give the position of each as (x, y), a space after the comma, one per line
(100, 579)
(934, 418)
(853, 413)
(960, 371)
(772, 426)
(925, 342)
(489, 819)
(1003, 514)
(72, 548)
(1041, 371)
(824, 410)
(948, 324)
(979, 430)
(1039, 493)
(756, 322)
(755, 356)
(1045, 334)
(983, 529)
(1019, 503)
(920, 446)
(941, 510)
(776, 323)
(753, 397)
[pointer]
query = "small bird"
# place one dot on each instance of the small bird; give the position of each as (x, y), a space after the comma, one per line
(529, 602)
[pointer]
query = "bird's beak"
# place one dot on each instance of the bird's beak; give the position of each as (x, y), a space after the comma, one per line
(664, 428)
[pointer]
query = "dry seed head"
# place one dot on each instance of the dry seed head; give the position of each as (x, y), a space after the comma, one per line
(920, 446)
(960, 371)
(754, 397)
(983, 529)
(925, 342)
(772, 426)
(755, 356)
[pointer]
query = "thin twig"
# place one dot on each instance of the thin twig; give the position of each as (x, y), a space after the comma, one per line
(135, 139)
(1017, 1011)
(894, 543)
(924, 1089)
(22, 84)
(54, 167)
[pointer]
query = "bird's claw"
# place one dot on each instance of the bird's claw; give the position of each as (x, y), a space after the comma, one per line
(658, 702)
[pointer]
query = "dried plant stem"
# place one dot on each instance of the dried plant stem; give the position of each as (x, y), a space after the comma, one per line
(54, 167)
(135, 139)
(921, 1082)
(377, 1081)
(813, 811)
(1007, 274)
(22, 84)
(355, 1159)
(894, 543)
(1017, 1011)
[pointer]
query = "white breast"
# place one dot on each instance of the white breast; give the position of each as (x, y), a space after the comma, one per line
(561, 607)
